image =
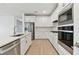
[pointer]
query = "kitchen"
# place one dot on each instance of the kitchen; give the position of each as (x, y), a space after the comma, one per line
(35, 28)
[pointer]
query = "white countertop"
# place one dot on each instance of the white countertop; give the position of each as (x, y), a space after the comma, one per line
(6, 40)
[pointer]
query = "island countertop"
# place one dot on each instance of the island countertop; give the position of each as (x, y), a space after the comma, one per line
(9, 39)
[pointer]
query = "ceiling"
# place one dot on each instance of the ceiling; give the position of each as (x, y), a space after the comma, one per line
(17, 9)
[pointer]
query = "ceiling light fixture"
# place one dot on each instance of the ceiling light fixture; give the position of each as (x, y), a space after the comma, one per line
(44, 11)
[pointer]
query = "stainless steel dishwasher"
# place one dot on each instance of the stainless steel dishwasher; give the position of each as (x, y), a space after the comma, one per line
(12, 48)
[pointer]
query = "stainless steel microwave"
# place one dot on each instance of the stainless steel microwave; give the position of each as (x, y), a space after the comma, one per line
(66, 17)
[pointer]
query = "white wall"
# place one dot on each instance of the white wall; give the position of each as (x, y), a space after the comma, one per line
(6, 25)
(76, 27)
(76, 22)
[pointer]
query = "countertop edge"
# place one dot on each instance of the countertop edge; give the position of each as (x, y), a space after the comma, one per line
(12, 39)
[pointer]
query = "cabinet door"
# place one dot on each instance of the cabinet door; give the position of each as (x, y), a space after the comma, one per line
(56, 37)
(23, 45)
(28, 38)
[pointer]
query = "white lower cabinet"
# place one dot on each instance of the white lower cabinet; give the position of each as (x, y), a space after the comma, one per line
(53, 37)
(62, 51)
(25, 43)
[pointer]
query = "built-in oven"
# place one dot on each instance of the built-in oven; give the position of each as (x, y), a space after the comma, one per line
(68, 28)
(65, 37)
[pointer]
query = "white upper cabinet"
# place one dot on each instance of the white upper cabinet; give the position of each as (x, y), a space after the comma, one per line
(29, 19)
(40, 21)
(18, 24)
(43, 21)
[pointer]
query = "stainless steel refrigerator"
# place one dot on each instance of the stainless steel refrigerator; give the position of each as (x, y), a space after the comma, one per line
(30, 27)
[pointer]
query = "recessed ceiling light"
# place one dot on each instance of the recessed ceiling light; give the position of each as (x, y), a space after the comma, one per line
(44, 11)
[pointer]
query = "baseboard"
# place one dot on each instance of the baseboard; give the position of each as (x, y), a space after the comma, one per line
(27, 50)
(54, 47)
